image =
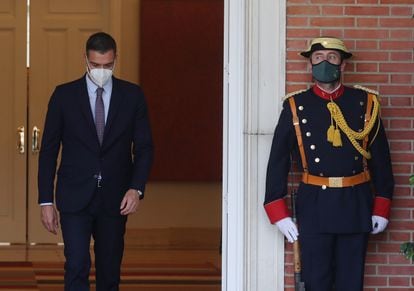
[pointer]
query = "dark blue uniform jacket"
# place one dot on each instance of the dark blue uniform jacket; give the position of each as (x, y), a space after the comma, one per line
(330, 210)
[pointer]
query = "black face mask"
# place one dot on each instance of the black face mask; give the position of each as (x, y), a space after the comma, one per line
(326, 72)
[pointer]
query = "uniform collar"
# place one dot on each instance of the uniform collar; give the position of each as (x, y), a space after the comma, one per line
(328, 95)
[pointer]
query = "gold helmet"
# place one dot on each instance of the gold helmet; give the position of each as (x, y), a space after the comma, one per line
(327, 43)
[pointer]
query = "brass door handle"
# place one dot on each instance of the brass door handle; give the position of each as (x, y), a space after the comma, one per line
(20, 139)
(35, 140)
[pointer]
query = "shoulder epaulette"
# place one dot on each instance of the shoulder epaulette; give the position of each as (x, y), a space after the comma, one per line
(294, 93)
(366, 89)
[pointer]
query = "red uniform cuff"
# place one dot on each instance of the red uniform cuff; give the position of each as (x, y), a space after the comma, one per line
(382, 207)
(277, 210)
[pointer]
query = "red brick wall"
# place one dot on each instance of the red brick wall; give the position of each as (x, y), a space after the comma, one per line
(380, 33)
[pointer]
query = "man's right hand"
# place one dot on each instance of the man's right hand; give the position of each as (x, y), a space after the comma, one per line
(49, 218)
(288, 228)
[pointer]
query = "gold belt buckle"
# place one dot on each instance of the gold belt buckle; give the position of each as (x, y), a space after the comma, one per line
(335, 182)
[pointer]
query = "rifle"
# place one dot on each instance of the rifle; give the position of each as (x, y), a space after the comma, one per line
(297, 268)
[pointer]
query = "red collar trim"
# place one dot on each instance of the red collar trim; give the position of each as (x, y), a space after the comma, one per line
(328, 96)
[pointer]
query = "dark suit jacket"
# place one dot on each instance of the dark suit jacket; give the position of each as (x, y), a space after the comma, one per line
(124, 159)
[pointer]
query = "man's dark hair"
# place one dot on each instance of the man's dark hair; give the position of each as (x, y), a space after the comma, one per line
(101, 42)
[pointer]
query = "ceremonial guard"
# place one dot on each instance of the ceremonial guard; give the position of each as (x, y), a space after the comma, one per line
(336, 135)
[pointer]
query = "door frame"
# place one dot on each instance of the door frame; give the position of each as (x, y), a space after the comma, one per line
(112, 16)
(253, 87)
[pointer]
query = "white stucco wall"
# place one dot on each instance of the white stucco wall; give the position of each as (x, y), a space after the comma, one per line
(254, 82)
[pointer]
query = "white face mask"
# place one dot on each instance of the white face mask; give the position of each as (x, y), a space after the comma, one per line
(99, 76)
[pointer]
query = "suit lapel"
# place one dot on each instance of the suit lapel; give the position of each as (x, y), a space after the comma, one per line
(85, 107)
(116, 100)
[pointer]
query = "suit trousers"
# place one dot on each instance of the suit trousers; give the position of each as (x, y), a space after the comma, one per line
(108, 234)
(333, 261)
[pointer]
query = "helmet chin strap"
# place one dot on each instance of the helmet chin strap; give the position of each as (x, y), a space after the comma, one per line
(328, 87)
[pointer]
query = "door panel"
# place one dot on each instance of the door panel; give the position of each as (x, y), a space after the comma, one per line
(59, 30)
(75, 6)
(13, 84)
(182, 49)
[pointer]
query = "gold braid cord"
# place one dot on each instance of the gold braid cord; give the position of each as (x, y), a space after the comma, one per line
(352, 135)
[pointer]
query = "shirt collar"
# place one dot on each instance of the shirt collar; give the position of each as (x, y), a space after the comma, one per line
(336, 93)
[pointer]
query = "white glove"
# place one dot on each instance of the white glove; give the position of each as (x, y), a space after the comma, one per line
(379, 223)
(288, 228)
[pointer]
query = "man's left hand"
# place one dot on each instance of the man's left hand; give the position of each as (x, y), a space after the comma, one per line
(379, 224)
(130, 202)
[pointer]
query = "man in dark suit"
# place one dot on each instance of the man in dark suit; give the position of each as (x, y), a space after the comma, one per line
(337, 137)
(101, 125)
